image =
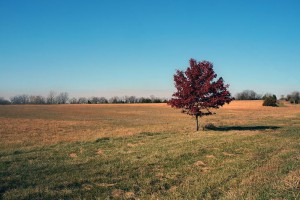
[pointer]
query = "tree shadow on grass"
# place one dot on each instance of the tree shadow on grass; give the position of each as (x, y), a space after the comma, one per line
(242, 128)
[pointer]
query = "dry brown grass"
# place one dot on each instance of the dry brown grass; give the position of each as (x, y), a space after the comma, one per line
(50, 124)
(161, 156)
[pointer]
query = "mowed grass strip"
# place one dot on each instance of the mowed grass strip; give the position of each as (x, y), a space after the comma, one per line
(249, 161)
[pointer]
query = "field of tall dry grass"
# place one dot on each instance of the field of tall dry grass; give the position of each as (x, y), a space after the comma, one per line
(137, 151)
(49, 124)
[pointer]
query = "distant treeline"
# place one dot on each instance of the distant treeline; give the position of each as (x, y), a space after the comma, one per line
(63, 98)
(294, 97)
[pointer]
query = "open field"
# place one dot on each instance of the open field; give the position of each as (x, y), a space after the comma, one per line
(149, 151)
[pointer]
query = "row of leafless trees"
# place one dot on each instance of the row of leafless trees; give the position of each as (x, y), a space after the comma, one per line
(294, 97)
(52, 98)
(248, 95)
(116, 99)
(63, 98)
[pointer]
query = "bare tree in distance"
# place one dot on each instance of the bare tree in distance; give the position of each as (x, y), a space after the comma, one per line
(248, 95)
(82, 100)
(51, 97)
(37, 99)
(20, 99)
(130, 99)
(97, 100)
(103, 100)
(73, 100)
(115, 99)
(62, 98)
(294, 97)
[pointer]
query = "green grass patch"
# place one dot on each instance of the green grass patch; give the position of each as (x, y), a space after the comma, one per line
(205, 165)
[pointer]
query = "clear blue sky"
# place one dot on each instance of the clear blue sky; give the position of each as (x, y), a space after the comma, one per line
(133, 47)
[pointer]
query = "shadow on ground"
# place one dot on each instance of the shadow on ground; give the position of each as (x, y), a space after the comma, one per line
(242, 128)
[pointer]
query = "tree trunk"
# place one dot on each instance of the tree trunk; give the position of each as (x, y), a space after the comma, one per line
(197, 123)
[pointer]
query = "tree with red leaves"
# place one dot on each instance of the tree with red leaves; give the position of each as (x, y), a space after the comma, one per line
(198, 91)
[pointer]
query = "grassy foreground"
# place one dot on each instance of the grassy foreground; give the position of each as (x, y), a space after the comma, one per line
(149, 152)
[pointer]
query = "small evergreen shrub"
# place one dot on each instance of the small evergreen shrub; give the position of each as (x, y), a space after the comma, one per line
(270, 101)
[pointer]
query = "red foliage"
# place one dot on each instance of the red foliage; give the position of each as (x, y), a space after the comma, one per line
(197, 89)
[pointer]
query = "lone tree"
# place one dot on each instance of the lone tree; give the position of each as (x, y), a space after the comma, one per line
(198, 91)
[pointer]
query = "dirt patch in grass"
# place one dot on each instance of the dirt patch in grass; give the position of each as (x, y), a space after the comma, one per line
(292, 180)
(73, 155)
(100, 152)
(117, 193)
(210, 156)
(228, 154)
(199, 163)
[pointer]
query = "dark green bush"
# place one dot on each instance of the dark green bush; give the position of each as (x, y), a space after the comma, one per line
(270, 101)
(4, 101)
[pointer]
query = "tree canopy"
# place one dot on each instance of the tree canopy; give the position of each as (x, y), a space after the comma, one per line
(198, 90)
